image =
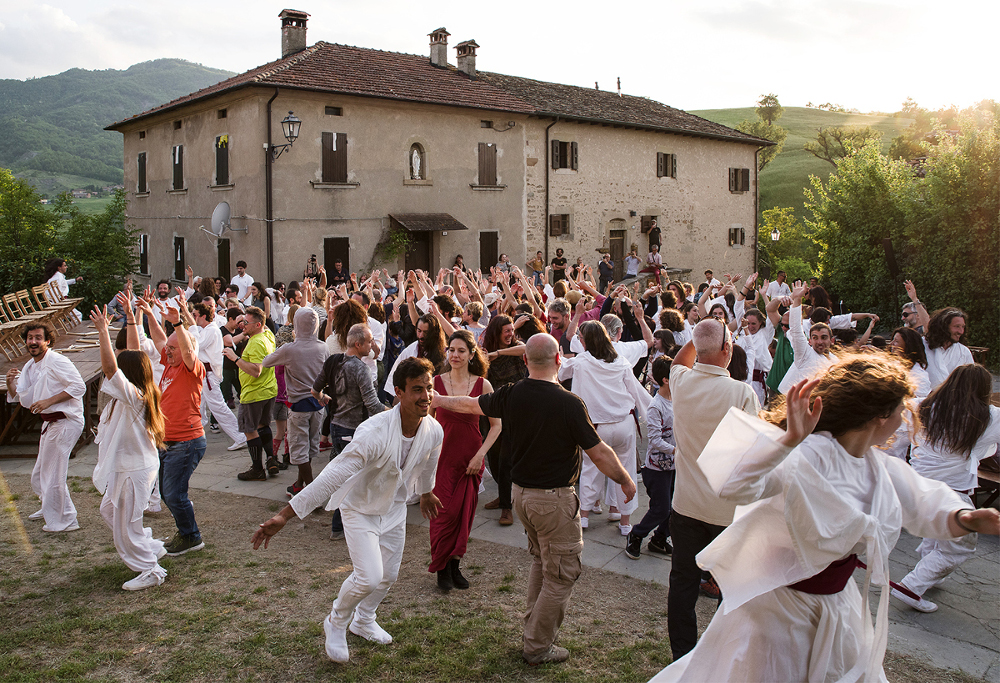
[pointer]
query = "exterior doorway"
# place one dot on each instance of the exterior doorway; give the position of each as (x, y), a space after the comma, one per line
(337, 248)
(489, 250)
(419, 253)
(223, 265)
(617, 248)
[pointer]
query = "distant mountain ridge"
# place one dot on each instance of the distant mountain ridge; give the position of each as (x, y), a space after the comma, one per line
(54, 126)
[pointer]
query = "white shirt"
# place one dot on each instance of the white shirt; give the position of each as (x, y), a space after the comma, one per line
(806, 363)
(62, 283)
(243, 282)
(209, 346)
(778, 289)
(169, 302)
(124, 444)
(54, 373)
(628, 352)
(409, 352)
(941, 361)
(957, 470)
(609, 390)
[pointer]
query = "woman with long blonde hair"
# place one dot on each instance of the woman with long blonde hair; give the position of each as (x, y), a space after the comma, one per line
(130, 433)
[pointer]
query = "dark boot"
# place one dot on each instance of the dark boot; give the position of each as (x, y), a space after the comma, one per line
(460, 581)
(256, 471)
(445, 581)
(282, 464)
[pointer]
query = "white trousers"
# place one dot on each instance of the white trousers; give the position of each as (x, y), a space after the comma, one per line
(48, 478)
(121, 508)
(212, 399)
(758, 389)
(938, 559)
(376, 547)
(620, 436)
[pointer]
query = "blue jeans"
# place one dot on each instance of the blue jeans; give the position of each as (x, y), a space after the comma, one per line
(660, 487)
(177, 463)
(337, 434)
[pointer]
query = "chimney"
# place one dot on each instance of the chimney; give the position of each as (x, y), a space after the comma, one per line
(467, 58)
(293, 31)
(439, 46)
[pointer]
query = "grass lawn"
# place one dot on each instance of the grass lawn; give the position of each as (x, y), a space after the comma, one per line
(229, 613)
(784, 179)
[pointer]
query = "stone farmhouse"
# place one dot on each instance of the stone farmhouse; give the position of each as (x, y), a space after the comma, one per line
(454, 160)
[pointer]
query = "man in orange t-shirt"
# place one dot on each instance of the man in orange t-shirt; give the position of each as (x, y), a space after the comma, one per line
(181, 384)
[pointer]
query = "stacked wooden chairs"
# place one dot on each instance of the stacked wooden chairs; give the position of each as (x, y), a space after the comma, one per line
(43, 303)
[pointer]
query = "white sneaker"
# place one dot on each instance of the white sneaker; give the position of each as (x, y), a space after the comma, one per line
(154, 508)
(72, 527)
(920, 605)
(596, 510)
(36, 515)
(584, 523)
(145, 580)
(372, 632)
(238, 445)
(626, 529)
(614, 516)
(336, 642)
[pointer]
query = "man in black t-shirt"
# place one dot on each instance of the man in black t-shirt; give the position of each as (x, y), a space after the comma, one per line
(546, 426)
(232, 337)
(558, 267)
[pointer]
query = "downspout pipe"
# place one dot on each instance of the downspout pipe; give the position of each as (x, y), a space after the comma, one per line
(268, 198)
(548, 164)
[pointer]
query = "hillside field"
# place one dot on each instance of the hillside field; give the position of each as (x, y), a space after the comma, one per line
(783, 180)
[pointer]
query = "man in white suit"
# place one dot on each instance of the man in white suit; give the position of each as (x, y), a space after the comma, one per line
(390, 453)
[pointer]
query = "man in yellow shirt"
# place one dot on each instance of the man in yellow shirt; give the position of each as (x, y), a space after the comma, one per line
(259, 388)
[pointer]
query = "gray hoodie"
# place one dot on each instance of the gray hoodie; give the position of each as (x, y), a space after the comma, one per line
(303, 358)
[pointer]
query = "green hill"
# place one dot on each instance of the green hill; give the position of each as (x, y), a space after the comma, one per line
(783, 180)
(52, 127)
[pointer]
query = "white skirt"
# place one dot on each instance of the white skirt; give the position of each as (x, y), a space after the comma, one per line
(781, 636)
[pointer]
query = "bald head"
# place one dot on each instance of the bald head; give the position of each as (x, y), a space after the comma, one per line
(541, 350)
(712, 342)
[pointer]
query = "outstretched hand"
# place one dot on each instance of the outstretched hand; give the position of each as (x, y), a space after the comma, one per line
(266, 530)
(430, 505)
(800, 419)
(100, 319)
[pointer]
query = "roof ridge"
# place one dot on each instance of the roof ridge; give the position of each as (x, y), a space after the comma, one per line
(287, 62)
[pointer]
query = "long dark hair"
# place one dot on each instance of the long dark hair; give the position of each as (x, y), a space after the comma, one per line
(432, 346)
(818, 297)
(478, 364)
(938, 333)
(493, 336)
(738, 364)
(957, 412)
(138, 370)
(595, 337)
(345, 316)
(913, 346)
(51, 266)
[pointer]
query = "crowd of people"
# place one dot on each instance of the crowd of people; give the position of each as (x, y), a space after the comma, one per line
(748, 392)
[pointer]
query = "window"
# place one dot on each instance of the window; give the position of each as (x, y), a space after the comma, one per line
(223, 113)
(177, 125)
(737, 236)
(334, 157)
(179, 258)
(487, 163)
(418, 167)
(334, 111)
(142, 135)
(140, 185)
(739, 180)
(485, 124)
(144, 254)
(558, 224)
(222, 160)
(666, 165)
(178, 159)
(564, 155)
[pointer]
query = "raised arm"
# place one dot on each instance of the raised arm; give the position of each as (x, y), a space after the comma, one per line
(923, 319)
(156, 333)
(109, 364)
(131, 326)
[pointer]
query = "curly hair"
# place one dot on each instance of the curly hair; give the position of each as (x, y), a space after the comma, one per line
(345, 316)
(493, 336)
(478, 364)
(855, 390)
(672, 319)
(938, 333)
(957, 412)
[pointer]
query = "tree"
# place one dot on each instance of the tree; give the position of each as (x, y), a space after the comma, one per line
(761, 129)
(795, 251)
(27, 232)
(839, 141)
(769, 109)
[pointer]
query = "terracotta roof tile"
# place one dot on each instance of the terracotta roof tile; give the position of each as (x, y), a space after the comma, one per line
(343, 69)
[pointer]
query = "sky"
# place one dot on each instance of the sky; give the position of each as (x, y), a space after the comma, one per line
(691, 54)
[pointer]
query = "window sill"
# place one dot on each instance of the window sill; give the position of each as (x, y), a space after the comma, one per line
(183, 190)
(424, 182)
(221, 188)
(565, 171)
(332, 186)
(141, 194)
(487, 188)
(738, 191)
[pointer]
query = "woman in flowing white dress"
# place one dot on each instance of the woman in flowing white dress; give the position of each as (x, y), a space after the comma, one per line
(814, 497)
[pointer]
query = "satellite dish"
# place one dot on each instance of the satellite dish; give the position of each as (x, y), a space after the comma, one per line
(220, 219)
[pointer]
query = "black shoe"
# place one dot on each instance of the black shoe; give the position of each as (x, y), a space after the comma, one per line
(294, 490)
(286, 461)
(460, 581)
(252, 474)
(272, 467)
(632, 545)
(659, 547)
(184, 544)
(445, 582)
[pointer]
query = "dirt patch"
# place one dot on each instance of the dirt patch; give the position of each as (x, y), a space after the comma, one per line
(230, 613)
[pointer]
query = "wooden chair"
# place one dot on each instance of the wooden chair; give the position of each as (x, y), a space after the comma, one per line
(17, 313)
(28, 306)
(11, 344)
(56, 298)
(60, 311)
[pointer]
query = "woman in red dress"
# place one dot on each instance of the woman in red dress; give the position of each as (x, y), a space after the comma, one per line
(460, 468)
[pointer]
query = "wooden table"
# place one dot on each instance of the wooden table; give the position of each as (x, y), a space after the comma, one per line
(20, 426)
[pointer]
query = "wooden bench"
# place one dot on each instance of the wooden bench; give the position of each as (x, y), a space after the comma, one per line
(989, 485)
